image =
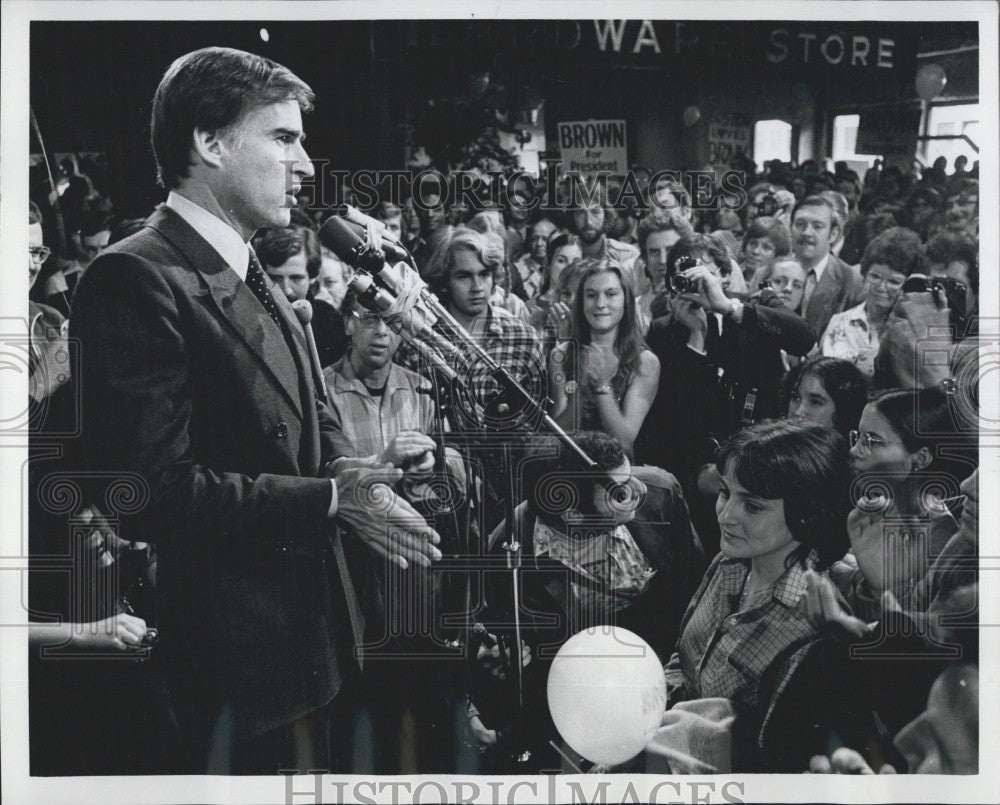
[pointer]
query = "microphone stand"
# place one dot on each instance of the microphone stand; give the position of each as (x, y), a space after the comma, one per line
(513, 400)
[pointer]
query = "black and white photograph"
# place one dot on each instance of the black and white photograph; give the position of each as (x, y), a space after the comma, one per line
(499, 403)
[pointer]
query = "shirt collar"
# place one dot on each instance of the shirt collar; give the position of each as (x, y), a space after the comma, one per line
(220, 235)
(820, 267)
(787, 590)
(346, 379)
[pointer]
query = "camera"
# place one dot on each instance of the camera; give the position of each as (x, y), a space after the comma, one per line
(952, 289)
(768, 205)
(679, 283)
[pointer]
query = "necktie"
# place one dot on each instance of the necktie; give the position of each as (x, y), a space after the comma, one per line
(256, 283)
(810, 287)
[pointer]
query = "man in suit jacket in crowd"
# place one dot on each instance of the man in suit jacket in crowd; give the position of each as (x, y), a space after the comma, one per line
(195, 374)
(832, 285)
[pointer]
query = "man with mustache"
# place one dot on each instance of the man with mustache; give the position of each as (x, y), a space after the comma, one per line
(831, 286)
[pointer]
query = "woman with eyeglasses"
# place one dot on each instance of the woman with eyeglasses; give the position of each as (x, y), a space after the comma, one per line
(909, 455)
(888, 260)
(904, 488)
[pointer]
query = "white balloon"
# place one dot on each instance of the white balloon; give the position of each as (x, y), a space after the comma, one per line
(930, 80)
(691, 116)
(607, 693)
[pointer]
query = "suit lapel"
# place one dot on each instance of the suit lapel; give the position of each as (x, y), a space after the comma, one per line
(236, 303)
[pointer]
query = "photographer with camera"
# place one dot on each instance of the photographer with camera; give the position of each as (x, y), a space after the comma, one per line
(720, 358)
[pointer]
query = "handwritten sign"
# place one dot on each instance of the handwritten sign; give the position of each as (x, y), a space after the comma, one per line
(591, 146)
(728, 134)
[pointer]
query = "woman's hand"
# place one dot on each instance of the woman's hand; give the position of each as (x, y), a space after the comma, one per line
(600, 365)
(889, 556)
(825, 612)
(558, 319)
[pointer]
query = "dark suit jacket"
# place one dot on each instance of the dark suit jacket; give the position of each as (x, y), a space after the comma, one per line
(187, 382)
(703, 397)
(840, 288)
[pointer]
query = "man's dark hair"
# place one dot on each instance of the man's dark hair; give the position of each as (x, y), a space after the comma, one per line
(962, 187)
(209, 90)
(948, 246)
(278, 245)
(660, 221)
(555, 481)
(697, 244)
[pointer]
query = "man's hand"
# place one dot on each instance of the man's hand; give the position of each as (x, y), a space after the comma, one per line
(117, 633)
(387, 523)
(694, 319)
(712, 294)
(413, 448)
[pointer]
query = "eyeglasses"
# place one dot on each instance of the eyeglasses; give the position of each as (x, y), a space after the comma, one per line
(368, 320)
(39, 253)
(892, 283)
(866, 440)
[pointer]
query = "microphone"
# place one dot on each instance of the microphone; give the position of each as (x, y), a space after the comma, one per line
(347, 240)
(355, 216)
(304, 313)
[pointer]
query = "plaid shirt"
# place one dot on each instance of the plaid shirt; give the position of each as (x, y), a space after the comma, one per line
(750, 656)
(509, 341)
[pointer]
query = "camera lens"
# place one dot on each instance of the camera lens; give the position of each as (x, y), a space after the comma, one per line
(679, 284)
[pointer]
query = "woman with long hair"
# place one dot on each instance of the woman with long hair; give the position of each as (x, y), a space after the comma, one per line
(604, 378)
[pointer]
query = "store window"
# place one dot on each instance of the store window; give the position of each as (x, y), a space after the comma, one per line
(845, 141)
(772, 139)
(953, 119)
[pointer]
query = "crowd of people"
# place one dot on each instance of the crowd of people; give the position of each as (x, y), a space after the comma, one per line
(782, 499)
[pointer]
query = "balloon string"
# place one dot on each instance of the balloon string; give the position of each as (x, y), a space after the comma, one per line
(566, 757)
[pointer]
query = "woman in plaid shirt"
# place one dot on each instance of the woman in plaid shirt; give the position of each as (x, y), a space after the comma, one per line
(782, 510)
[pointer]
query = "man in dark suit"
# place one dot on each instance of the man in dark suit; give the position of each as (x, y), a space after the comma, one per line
(195, 375)
(832, 286)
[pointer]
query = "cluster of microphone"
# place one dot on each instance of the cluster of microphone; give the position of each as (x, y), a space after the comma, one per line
(386, 283)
